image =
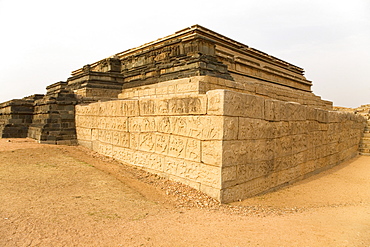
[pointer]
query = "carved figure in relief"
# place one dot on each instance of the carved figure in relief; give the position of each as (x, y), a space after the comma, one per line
(162, 143)
(147, 142)
(214, 102)
(116, 137)
(196, 127)
(134, 141)
(147, 107)
(163, 106)
(211, 131)
(194, 105)
(156, 162)
(164, 125)
(135, 125)
(125, 139)
(180, 126)
(130, 108)
(192, 149)
(176, 146)
(121, 123)
(177, 106)
(230, 128)
(148, 124)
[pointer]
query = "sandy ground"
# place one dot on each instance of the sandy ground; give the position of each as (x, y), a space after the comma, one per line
(69, 196)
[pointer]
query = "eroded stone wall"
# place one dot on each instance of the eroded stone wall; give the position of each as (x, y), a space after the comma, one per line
(228, 144)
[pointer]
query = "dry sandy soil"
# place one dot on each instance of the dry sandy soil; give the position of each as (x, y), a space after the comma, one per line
(70, 196)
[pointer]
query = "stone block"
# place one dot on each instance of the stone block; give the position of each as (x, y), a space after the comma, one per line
(247, 189)
(187, 87)
(147, 142)
(122, 154)
(322, 116)
(134, 141)
(211, 191)
(250, 128)
(243, 105)
(83, 133)
(190, 183)
(333, 117)
(288, 175)
(170, 165)
(299, 143)
(121, 138)
(130, 108)
(216, 102)
(162, 143)
(212, 152)
(156, 162)
(283, 146)
(192, 150)
(230, 128)
(261, 168)
(210, 175)
(292, 111)
(229, 173)
(177, 146)
(272, 110)
(261, 150)
(142, 124)
(235, 153)
(189, 170)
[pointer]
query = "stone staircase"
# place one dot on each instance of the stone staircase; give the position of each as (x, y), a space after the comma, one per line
(364, 148)
(364, 110)
(365, 142)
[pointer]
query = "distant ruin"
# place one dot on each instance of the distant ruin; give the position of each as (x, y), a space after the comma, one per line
(198, 108)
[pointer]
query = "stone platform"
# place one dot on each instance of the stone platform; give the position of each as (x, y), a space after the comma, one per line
(196, 107)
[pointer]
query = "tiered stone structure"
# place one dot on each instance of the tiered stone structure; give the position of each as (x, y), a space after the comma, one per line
(228, 144)
(53, 119)
(16, 117)
(199, 108)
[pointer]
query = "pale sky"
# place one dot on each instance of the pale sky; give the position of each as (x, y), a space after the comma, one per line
(43, 41)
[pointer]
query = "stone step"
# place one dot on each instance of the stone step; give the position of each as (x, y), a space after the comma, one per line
(365, 140)
(364, 145)
(364, 150)
(361, 147)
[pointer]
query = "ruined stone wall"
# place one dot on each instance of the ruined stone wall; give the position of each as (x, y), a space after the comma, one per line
(228, 144)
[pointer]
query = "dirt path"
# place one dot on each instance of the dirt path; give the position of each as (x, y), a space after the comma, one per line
(69, 196)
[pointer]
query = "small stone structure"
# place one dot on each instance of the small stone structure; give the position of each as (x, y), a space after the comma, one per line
(364, 111)
(195, 107)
